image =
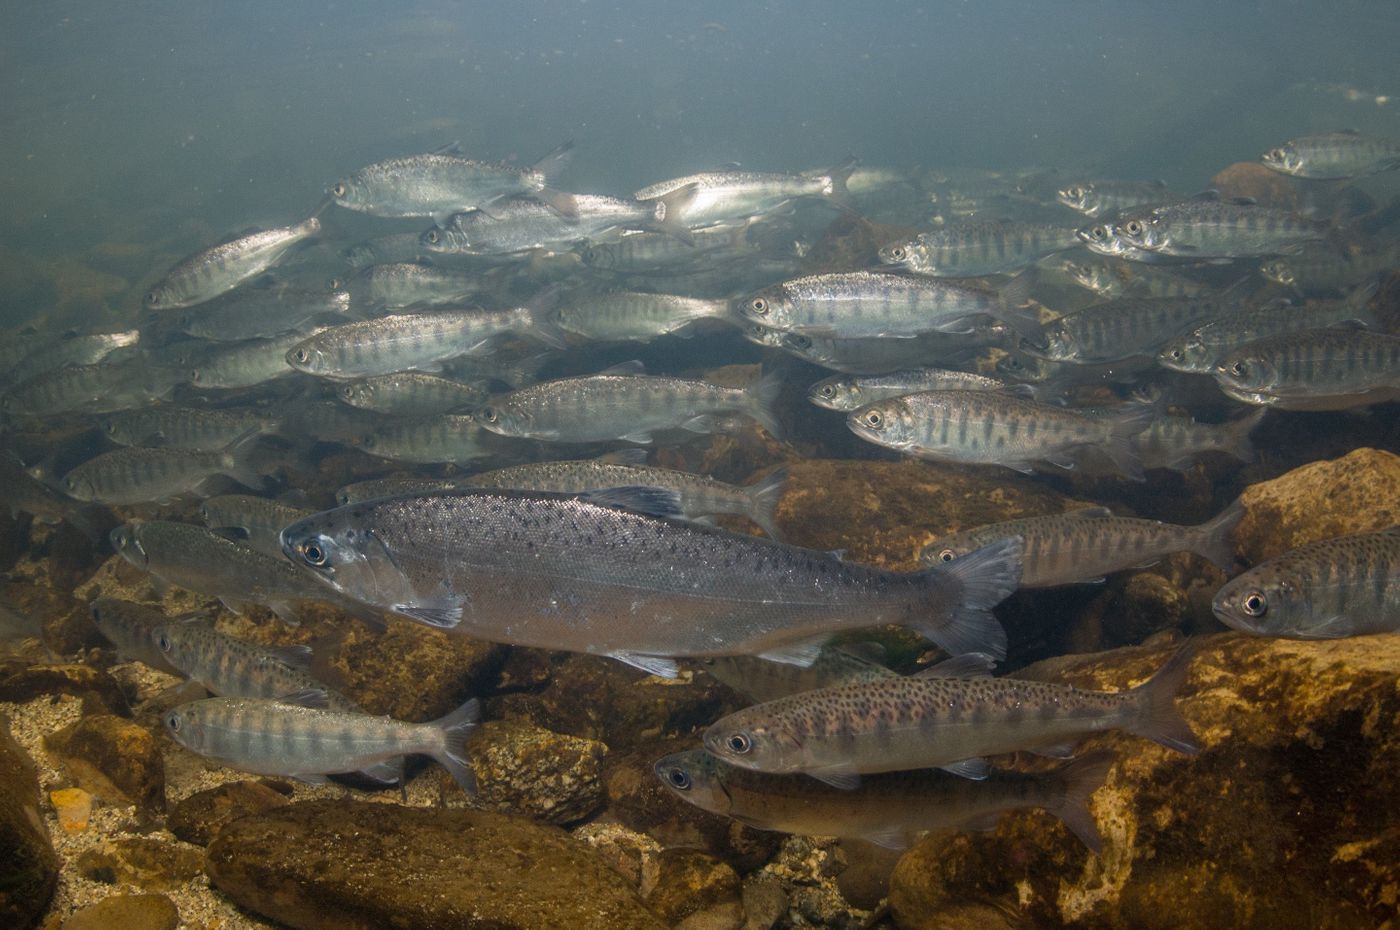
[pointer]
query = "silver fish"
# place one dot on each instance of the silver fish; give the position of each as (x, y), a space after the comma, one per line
(1347, 586)
(246, 364)
(444, 437)
(406, 284)
(890, 809)
(653, 252)
(415, 393)
(891, 725)
(102, 388)
(976, 427)
(850, 392)
(1213, 228)
(1114, 277)
(1330, 271)
(21, 492)
(618, 316)
(398, 247)
(275, 737)
(141, 475)
(882, 356)
(1099, 198)
(75, 350)
(972, 250)
(261, 519)
(263, 312)
(760, 680)
(129, 626)
(1345, 154)
(727, 196)
(214, 271)
(1086, 545)
(198, 429)
(570, 573)
(1124, 328)
(1201, 349)
(1315, 369)
(597, 408)
(1177, 442)
(439, 184)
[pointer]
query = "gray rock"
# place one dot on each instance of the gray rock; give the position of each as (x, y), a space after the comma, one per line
(30, 870)
(356, 866)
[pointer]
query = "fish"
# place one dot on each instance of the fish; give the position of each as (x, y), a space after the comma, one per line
(621, 403)
(407, 284)
(297, 736)
(129, 627)
(376, 488)
(891, 809)
(197, 429)
(223, 267)
(699, 497)
(633, 316)
(1330, 271)
(70, 351)
(1177, 442)
(439, 184)
(263, 312)
(574, 573)
(247, 364)
(137, 475)
(865, 304)
(443, 437)
(21, 492)
(1115, 277)
(202, 561)
(1211, 228)
(654, 252)
(760, 680)
(990, 428)
(1202, 348)
(416, 341)
(915, 722)
(1104, 197)
(260, 518)
(976, 249)
(883, 356)
(1124, 328)
(386, 250)
(735, 195)
(1315, 369)
(414, 393)
(1329, 589)
(850, 392)
(1334, 155)
(104, 387)
(1086, 545)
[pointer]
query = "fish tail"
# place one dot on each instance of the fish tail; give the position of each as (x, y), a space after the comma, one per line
(1017, 311)
(1237, 442)
(763, 501)
(839, 175)
(1081, 778)
(670, 212)
(1213, 537)
(982, 579)
(549, 168)
(763, 402)
(1158, 719)
(236, 459)
(455, 728)
(542, 325)
(1123, 432)
(553, 164)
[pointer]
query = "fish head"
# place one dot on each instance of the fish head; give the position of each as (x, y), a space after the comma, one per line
(1087, 275)
(1060, 344)
(79, 487)
(886, 423)
(1264, 601)
(171, 644)
(762, 335)
(1188, 354)
(351, 193)
(1141, 231)
(308, 357)
(900, 253)
(696, 777)
(1076, 196)
(357, 393)
(1027, 368)
(948, 549)
(750, 742)
(185, 724)
(768, 308)
(1284, 158)
(1102, 238)
(837, 393)
(436, 239)
(1245, 373)
(504, 417)
(1279, 271)
(341, 549)
(126, 541)
(160, 297)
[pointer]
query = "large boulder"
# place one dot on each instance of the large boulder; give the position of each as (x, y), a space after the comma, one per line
(351, 865)
(30, 870)
(115, 759)
(1289, 810)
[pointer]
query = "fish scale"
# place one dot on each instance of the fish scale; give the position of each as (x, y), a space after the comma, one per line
(1317, 369)
(566, 573)
(631, 315)
(445, 437)
(140, 475)
(1346, 586)
(923, 722)
(975, 249)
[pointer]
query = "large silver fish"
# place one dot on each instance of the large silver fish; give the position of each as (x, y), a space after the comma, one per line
(1213, 228)
(729, 196)
(1329, 155)
(972, 250)
(1316, 369)
(219, 269)
(562, 572)
(138, 475)
(851, 392)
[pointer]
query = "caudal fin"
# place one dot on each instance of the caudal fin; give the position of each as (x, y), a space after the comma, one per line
(1157, 717)
(452, 754)
(839, 175)
(542, 325)
(1213, 537)
(1081, 778)
(236, 460)
(763, 501)
(763, 398)
(670, 212)
(979, 581)
(1237, 443)
(1123, 432)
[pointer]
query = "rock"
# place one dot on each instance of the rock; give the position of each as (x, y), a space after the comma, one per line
(602, 699)
(627, 852)
(1251, 179)
(355, 866)
(764, 902)
(73, 807)
(637, 798)
(197, 818)
(115, 759)
(411, 672)
(30, 871)
(864, 881)
(98, 690)
(696, 891)
(127, 911)
(524, 769)
(146, 862)
(1288, 810)
(1357, 493)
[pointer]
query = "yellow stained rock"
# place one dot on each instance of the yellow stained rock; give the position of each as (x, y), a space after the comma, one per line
(73, 807)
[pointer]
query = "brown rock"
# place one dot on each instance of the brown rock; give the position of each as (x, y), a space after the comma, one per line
(764, 902)
(146, 862)
(1288, 810)
(73, 809)
(362, 866)
(411, 672)
(627, 852)
(524, 769)
(1357, 493)
(115, 759)
(694, 890)
(198, 817)
(99, 691)
(30, 865)
(127, 912)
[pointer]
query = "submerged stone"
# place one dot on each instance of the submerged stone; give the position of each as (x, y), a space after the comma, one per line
(115, 759)
(197, 818)
(524, 769)
(30, 865)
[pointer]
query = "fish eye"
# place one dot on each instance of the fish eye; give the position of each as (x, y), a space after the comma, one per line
(152, 298)
(1238, 369)
(301, 355)
(489, 414)
(172, 720)
(334, 284)
(1177, 354)
(1255, 604)
(1133, 228)
(432, 236)
(873, 418)
(828, 390)
(163, 643)
(1098, 233)
(313, 554)
(759, 305)
(195, 375)
(738, 743)
(677, 778)
(946, 555)
(1076, 192)
(897, 253)
(348, 391)
(339, 189)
